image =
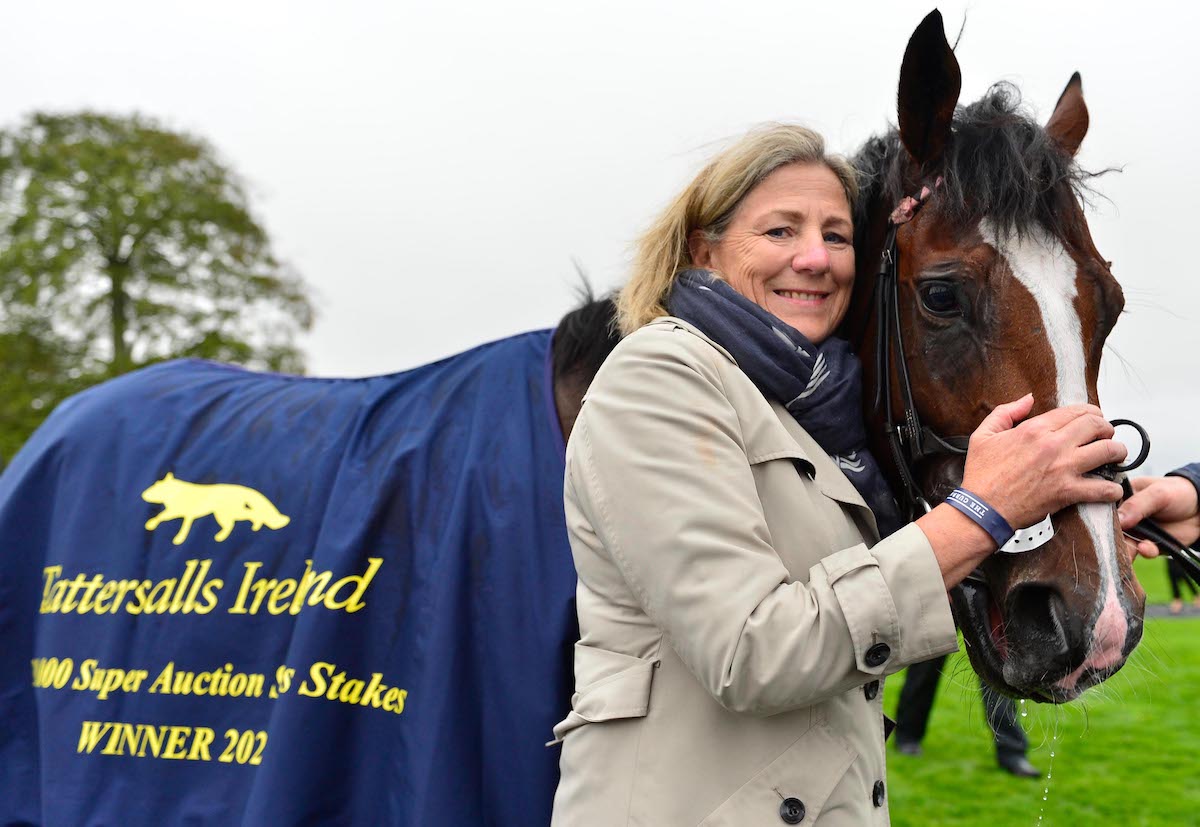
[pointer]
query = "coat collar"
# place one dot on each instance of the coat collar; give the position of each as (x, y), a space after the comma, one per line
(794, 441)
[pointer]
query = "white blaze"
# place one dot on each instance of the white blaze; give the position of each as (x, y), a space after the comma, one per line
(1045, 269)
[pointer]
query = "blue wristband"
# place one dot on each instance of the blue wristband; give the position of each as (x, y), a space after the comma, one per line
(988, 518)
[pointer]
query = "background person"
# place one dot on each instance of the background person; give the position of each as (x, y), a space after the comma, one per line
(1170, 500)
(916, 702)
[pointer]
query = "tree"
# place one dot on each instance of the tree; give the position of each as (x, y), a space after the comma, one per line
(123, 243)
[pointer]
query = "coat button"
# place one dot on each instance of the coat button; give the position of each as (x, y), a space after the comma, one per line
(792, 810)
(877, 655)
(878, 794)
(871, 690)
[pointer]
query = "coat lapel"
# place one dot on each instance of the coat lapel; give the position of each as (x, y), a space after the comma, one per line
(798, 444)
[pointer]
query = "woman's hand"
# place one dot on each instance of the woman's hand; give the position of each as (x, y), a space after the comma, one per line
(1171, 502)
(1025, 471)
(1037, 467)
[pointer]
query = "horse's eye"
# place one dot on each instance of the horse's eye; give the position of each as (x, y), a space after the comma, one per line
(940, 298)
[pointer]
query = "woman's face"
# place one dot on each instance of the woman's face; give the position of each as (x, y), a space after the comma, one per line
(789, 248)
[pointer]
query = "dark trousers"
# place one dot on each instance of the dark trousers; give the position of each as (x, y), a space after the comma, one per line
(1176, 576)
(916, 699)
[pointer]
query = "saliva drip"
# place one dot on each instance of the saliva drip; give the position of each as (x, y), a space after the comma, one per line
(1049, 774)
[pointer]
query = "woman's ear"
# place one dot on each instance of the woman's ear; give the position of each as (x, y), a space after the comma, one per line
(700, 249)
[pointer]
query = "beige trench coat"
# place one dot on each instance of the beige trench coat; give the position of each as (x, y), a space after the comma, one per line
(735, 620)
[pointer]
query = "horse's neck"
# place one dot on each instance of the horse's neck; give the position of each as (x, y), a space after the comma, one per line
(569, 389)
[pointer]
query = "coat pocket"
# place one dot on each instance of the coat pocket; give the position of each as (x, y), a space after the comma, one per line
(802, 777)
(611, 685)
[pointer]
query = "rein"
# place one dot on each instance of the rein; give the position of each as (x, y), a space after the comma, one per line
(911, 442)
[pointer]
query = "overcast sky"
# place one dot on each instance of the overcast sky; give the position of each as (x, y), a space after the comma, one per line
(434, 170)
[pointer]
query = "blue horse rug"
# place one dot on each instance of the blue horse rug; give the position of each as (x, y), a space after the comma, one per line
(235, 598)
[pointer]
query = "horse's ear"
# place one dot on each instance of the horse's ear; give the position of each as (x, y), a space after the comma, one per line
(1069, 122)
(930, 81)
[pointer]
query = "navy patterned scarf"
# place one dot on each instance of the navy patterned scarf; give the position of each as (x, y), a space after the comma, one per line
(820, 385)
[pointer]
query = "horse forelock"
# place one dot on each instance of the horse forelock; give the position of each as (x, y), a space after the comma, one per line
(999, 164)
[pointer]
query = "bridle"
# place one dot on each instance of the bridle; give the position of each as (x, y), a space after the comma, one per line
(911, 442)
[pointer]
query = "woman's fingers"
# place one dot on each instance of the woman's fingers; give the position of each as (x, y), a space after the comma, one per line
(1085, 428)
(1095, 454)
(1005, 417)
(1056, 419)
(1094, 490)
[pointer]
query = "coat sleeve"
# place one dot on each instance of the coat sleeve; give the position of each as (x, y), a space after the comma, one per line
(659, 467)
(1191, 473)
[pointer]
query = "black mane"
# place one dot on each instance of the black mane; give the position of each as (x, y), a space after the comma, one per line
(585, 336)
(999, 163)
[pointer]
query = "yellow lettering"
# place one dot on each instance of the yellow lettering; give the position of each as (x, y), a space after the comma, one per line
(351, 691)
(105, 595)
(133, 680)
(308, 581)
(318, 679)
(239, 605)
(177, 601)
(51, 573)
(176, 741)
(90, 734)
(89, 591)
(160, 596)
(210, 596)
(203, 737)
(123, 589)
(73, 589)
(278, 602)
(152, 737)
(141, 591)
(112, 681)
(353, 601)
(389, 699)
(120, 733)
(85, 674)
(162, 684)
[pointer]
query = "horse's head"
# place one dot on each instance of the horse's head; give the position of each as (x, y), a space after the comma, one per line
(1001, 292)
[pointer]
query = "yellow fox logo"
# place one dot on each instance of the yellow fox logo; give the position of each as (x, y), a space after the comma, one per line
(227, 503)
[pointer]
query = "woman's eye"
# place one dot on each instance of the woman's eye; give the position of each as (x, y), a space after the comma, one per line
(778, 232)
(940, 299)
(836, 238)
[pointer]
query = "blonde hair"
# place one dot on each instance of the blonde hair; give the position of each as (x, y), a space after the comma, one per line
(708, 204)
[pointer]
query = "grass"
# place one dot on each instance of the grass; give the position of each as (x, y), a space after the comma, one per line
(1123, 754)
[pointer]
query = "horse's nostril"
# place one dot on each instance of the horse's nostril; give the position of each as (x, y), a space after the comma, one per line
(1045, 641)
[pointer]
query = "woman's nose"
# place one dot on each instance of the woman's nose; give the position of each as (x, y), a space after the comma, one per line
(812, 256)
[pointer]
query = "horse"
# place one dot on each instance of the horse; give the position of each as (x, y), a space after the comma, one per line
(999, 291)
(397, 650)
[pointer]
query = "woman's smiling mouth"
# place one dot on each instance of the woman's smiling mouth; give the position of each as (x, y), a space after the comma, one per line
(802, 297)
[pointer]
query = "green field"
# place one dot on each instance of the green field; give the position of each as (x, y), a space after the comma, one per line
(1124, 754)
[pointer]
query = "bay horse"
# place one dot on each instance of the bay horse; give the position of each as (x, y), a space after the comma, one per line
(1000, 292)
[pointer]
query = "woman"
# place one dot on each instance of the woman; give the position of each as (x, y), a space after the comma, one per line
(735, 619)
